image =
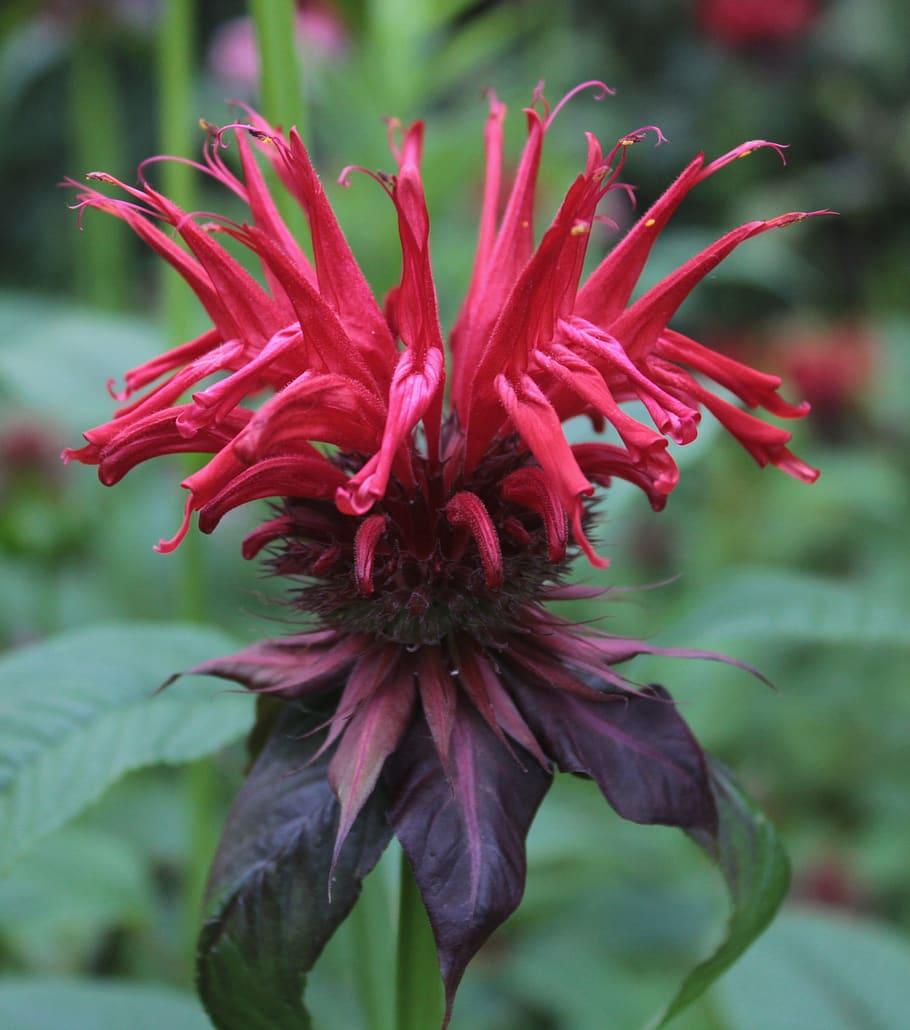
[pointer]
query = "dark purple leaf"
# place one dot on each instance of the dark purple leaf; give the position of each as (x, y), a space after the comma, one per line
(635, 746)
(268, 897)
(464, 833)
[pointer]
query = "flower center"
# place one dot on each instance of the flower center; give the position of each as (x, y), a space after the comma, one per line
(409, 571)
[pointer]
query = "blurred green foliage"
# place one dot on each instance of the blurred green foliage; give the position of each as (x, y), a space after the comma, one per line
(810, 584)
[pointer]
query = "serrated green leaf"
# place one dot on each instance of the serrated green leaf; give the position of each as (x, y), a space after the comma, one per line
(757, 874)
(80, 710)
(818, 968)
(801, 609)
(55, 1004)
(270, 910)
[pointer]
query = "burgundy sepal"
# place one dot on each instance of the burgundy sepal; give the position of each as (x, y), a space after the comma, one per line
(463, 830)
(635, 746)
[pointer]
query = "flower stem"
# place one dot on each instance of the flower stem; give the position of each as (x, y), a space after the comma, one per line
(176, 125)
(101, 272)
(176, 128)
(420, 998)
(371, 929)
(280, 94)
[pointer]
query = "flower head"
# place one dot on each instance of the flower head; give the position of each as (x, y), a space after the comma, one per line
(427, 539)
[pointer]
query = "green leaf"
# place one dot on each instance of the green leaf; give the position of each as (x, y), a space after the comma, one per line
(801, 609)
(815, 968)
(52, 1004)
(55, 907)
(270, 910)
(55, 357)
(80, 710)
(757, 874)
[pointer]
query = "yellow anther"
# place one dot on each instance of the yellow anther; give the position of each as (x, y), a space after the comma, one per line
(745, 153)
(580, 229)
(650, 222)
(627, 142)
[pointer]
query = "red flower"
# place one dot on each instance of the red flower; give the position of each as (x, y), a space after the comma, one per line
(427, 543)
(750, 22)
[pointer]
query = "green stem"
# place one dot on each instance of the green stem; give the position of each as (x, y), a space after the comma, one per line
(176, 126)
(371, 929)
(200, 781)
(420, 997)
(102, 255)
(177, 131)
(280, 94)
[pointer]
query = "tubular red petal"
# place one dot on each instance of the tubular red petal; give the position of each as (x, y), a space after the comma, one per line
(531, 488)
(415, 386)
(286, 476)
(365, 542)
(158, 434)
(754, 387)
(601, 461)
(468, 510)
(267, 533)
(150, 370)
(341, 281)
(265, 212)
(540, 428)
(640, 325)
(506, 257)
(609, 287)
(326, 341)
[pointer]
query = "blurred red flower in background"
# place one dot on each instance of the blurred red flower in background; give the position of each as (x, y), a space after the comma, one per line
(752, 22)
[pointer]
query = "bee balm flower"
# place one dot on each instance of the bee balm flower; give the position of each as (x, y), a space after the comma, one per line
(427, 541)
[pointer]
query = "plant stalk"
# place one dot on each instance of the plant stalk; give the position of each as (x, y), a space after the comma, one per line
(372, 929)
(420, 1002)
(176, 130)
(280, 94)
(102, 253)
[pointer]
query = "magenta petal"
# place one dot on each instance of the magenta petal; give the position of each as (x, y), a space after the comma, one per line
(635, 746)
(463, 833)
